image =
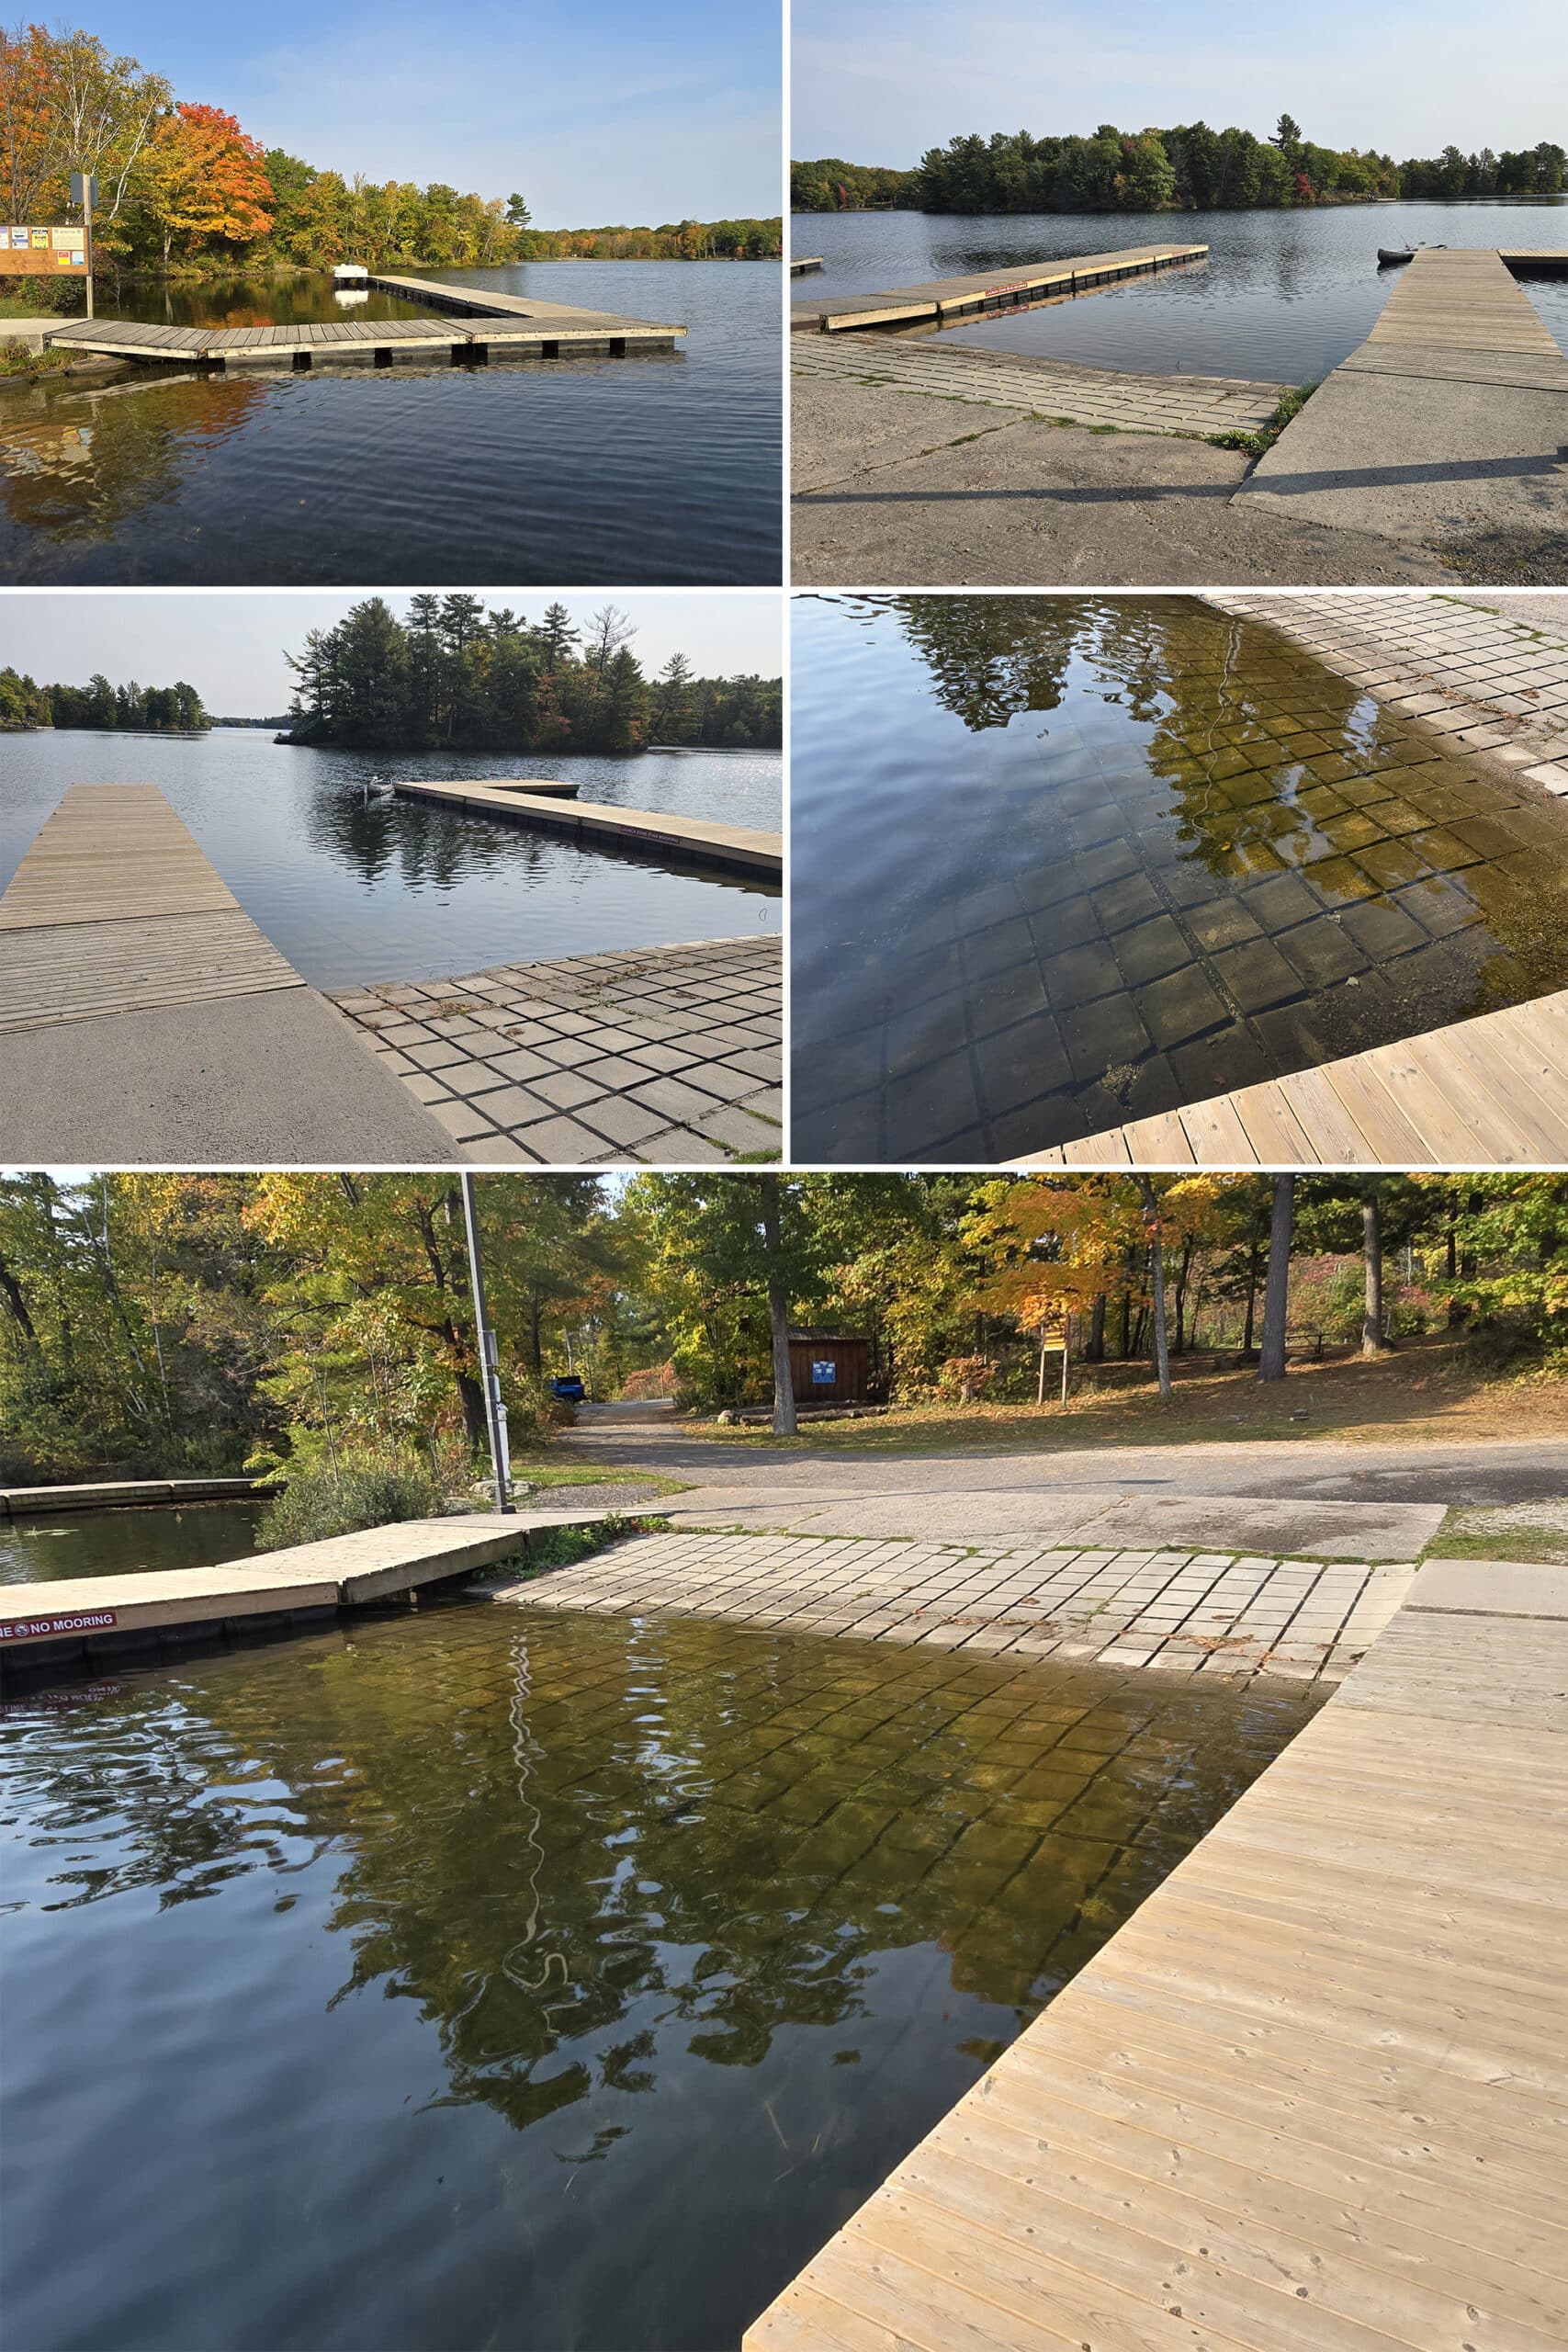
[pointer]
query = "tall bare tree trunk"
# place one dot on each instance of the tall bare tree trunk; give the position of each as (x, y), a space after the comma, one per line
(1156, 1267)
(778, 1312)
(1372, 1342)
(1277, 1292)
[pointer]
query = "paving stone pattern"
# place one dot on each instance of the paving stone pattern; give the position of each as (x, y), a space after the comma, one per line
(1279, 873)
(1485, 679)
(664, 1055)
(1188, 406)
(1176, 1612)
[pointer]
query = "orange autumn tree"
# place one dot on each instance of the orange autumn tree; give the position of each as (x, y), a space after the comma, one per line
(205, 179)
(1073, 1248)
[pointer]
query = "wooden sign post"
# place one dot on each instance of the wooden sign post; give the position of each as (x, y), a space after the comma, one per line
(85, 192)
(1058, 1334)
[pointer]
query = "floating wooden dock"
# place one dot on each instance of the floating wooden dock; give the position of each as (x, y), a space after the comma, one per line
(1449, 417)
(88, 1621)
(808, 261)
(1488, 1092)
(508, 325)
(1309, 2099)
(740, 847)
(946, 301)
(145, 1017)
(124, 1494)
(115, 909)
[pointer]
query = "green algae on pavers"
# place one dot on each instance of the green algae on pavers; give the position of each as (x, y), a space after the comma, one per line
(1064, 862)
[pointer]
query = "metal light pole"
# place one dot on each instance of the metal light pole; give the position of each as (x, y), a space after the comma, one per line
(490, 1374)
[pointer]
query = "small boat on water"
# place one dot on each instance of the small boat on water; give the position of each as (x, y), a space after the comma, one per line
(1407, 254)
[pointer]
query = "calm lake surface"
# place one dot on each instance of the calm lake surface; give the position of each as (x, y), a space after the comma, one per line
(1061, 862)
(482, 1979)
(664, 467)
(1282, 298)
(355, 890)
(119, 1543)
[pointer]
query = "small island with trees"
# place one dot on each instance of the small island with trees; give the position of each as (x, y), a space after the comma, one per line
(457, 676)
(130, 709)
(1190, 168)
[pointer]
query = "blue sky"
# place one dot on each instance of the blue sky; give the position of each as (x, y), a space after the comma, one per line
(615, 113)
(881, 81)
(231, 646)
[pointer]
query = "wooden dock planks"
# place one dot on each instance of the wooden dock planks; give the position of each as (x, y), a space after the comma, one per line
(1461, 300)
(743, 848)
(86, 1617)
(948, 300)
(493, 321)
(1310, 2095)
(1492, 1092)
(115, 909)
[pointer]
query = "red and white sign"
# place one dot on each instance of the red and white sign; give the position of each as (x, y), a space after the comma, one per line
(29, 1629)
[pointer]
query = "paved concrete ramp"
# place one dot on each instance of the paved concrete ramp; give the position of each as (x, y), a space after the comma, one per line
(1309, 2099)
(1453, 416)
(145, 1017)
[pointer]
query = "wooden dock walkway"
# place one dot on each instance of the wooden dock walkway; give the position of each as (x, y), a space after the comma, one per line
(1309, 2097)
(145, 1017)
(1448, 417)
(807, 261)
(503, 323)
(87, 1621)
(524, 800)
(124, 1494)
(946, 301)
(1483, 1093)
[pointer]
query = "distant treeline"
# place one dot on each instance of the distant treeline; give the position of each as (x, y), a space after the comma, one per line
(454, 675)
(160, 710)
(184, 190)
(1191, 168)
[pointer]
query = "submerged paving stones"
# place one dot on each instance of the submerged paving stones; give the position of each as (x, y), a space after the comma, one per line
(1065, 861)
(659, 1054)
(1182, 1613)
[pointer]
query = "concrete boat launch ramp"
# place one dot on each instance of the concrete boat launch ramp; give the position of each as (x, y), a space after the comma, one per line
(145, 1017)
(1451, 416)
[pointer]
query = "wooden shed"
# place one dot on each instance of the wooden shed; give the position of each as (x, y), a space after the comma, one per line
(830, 1367)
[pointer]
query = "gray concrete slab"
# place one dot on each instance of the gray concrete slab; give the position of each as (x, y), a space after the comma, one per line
(896, 487)
(253, 1081)
(1109, 1515)
(1419, 458)
(1491, 1589)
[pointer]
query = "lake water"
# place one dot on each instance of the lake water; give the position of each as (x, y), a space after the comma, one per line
(1061, 862)
(355, 890)
(1282, 298)
(120, 1543)
(479, 1978)
(662, 468)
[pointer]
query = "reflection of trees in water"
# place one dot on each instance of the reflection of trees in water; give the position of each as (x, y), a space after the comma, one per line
(77, 464)
(1250, 740)
(543, 1838)
(427, 846)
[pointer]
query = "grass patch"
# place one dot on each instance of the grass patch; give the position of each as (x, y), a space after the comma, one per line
(562, 1547)
(1439, 1387)
(1269, 432)
(552, 1473)
(19, 365)
(1537, 1531)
